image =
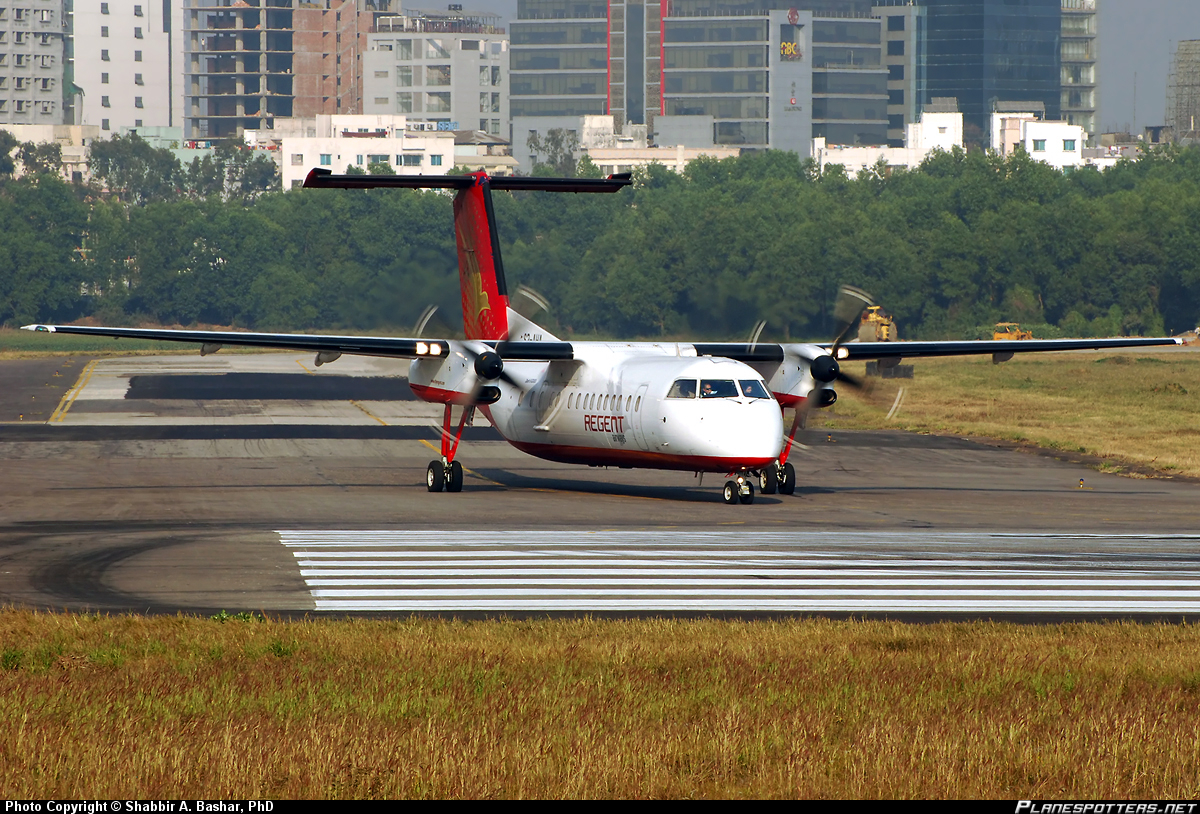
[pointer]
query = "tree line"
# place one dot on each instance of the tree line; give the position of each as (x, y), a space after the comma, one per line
(964, 241)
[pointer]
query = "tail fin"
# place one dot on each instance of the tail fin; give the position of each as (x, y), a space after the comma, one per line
(480, 269)
(481, 273)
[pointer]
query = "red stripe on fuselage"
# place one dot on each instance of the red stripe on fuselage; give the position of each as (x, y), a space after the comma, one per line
(639, 459)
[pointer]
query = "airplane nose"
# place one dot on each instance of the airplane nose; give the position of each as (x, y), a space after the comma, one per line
(754, 431)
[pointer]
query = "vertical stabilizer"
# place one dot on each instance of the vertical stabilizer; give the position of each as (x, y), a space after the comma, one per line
(480, 269)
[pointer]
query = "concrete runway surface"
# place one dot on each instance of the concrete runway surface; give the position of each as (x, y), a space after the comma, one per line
(258, 482)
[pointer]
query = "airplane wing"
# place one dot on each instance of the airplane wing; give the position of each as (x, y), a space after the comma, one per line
(880, 350)
(771, 352)
(392, 347)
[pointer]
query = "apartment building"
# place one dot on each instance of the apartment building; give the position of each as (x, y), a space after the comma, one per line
(34, 70)
(250, 61)
(448, 68)
(124, 66)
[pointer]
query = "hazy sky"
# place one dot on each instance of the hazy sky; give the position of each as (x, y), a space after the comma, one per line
(1136, 37)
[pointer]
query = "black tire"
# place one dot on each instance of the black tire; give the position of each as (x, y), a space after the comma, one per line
(768, 480)
(435, 476)
(730, 494)
(749, 496)
(454, 477)
(787, 483)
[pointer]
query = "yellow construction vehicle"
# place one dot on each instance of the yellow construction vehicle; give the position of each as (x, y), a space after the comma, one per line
(1011, 330)
(877, 326)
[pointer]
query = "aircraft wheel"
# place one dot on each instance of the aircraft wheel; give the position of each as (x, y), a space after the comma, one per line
(787, 480)
(748, 497)
(435, 476)
(768, 480)
(454, 477)
(731, 493)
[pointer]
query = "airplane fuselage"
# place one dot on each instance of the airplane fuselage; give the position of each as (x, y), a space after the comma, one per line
(639, 405)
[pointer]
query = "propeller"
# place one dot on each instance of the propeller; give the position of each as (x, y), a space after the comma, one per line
(539, 302)
(489, 367)
(430, 319)
(824, 368)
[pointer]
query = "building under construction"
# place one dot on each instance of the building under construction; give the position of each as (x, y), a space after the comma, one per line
(249, 61)
(1183, 91)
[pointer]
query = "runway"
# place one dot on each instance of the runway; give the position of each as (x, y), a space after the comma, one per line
(772, 572)
(254, 482)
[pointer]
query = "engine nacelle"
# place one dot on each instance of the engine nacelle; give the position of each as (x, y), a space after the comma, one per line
(824, 368)
(450, 380)
(823, 397)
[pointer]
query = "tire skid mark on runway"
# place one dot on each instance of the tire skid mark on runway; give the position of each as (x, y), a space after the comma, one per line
(716, 571)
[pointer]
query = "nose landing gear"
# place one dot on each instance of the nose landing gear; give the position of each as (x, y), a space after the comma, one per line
(740, 490)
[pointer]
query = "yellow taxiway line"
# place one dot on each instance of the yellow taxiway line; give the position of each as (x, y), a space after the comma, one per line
(368, 412)
(69, 397)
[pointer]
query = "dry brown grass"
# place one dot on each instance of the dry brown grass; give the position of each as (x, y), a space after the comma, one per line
(1135, 407)
(131, 707)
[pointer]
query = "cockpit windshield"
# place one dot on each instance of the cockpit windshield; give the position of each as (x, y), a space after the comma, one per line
(718, 389)
(753, 389)
(683, 389)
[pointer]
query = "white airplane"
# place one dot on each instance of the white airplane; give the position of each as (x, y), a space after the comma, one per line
(698, 406)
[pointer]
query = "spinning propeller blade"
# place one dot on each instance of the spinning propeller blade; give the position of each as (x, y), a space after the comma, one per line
(847, 311)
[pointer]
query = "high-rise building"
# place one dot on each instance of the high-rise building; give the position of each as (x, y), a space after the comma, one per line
(35, 73)
(1183, 91)
(449, 69)
(984, 51)
(1079, 55)
(560, 58)
(755, 73)
(124, 72)
(904, 55)
(248, 61)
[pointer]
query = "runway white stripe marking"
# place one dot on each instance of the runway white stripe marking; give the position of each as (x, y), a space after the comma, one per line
(737, 570)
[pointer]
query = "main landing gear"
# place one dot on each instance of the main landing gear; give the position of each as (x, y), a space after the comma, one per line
(777, 478)
(441, 475)
(447, 473)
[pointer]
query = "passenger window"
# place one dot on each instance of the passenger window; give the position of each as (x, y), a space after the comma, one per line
(683, 389)
(753, 389)
(718, 389)
(637, 406)
(628, 403)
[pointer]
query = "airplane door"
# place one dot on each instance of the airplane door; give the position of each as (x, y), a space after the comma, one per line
(638, 434)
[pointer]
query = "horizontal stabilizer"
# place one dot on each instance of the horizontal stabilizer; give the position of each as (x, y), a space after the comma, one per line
(324, 179)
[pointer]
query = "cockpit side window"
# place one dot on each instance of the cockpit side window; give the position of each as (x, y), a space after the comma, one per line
(753, 389)
(683, 389)
(718, 389)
